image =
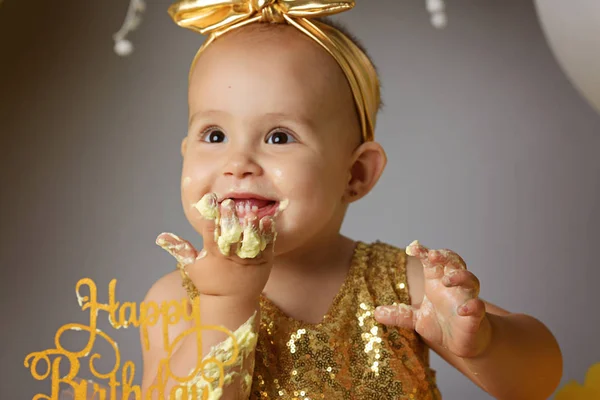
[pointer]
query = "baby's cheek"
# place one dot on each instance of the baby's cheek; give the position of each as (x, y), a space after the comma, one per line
(187, 191)
(312, 204)
(191, 192)
(278, 175)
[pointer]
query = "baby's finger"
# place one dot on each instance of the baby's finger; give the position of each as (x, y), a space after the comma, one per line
(462, 278)
(210, 233)
(416, 249)
(401, 315)
(229, 232)
(471, 307)
(447, 258)
(435, 259)
(432, 270)
(181, 249)
(268, 234)
(251, 244)
(208, 206)
(267, 230)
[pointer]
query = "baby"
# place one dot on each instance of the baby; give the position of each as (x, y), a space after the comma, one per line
(280, 143)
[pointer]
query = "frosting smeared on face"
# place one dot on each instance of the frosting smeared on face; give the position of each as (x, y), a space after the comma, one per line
(248, 237)
(208, 206)
(283, 205)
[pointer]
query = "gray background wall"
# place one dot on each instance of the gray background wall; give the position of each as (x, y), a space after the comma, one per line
(492, 153)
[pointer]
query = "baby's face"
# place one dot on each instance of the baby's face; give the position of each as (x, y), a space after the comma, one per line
(272, 120)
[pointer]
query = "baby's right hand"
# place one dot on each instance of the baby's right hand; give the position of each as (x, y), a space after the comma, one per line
(216, 274)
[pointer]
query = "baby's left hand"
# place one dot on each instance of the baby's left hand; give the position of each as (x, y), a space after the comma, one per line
(451, 314)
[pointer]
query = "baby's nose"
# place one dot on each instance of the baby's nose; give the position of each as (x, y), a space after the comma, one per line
(241, 166)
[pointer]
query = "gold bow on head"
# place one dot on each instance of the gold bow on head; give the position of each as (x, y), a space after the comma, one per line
(216, 17)
(211, 16)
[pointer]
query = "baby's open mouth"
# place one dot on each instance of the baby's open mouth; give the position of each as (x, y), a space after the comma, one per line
(259, 206)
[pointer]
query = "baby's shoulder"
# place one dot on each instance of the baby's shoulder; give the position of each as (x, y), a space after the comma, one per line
(166, 288)
(408, 269)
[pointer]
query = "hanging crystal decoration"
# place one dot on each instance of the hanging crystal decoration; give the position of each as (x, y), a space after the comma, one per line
(124, 47)
(438, 15)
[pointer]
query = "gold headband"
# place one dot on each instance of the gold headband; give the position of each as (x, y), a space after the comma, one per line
(216, 17)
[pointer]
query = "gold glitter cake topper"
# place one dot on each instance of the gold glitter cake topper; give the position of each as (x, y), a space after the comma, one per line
(143, 316)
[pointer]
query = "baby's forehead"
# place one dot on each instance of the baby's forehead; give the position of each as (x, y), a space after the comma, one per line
(264, 57)
(273, 46)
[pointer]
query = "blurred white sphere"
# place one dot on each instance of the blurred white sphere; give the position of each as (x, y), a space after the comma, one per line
(123, 47)
(435, 6)
(573, 31)
(439, 20)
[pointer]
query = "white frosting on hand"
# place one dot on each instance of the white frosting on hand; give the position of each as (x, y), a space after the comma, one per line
(248, 241)
(246, 340)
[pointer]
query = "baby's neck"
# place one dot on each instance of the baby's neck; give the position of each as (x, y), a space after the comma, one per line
(316, 255)
(320, 260)
(304, 284)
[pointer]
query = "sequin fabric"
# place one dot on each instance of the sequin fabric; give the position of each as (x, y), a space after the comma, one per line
(348, 355)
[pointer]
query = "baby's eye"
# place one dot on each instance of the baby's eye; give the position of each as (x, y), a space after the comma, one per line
(214, 135)
(280, 137)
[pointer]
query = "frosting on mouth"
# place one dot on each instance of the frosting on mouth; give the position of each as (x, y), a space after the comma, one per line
(248, 238)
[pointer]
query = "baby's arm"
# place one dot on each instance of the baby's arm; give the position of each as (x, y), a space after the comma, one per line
(227, 292)
(216, 311)
(511, 356)
(521, 361)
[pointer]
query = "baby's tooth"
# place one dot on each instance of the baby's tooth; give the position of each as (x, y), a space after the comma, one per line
(254, 209)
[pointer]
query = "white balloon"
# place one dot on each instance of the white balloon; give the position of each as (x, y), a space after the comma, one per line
(573, 30)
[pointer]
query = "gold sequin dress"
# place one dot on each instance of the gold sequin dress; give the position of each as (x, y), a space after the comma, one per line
(348, 355)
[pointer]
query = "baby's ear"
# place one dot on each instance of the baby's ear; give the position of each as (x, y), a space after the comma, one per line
(183, 146)
(369, 162)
